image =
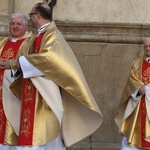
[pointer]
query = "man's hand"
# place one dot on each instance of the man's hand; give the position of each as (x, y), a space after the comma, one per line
(4, 64)
(142, 90)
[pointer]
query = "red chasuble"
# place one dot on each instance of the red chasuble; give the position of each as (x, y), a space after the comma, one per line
(28, 105)
(145, 80)
(9, 51)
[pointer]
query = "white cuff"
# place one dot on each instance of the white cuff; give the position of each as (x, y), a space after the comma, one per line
(134, 95)
(28, 69)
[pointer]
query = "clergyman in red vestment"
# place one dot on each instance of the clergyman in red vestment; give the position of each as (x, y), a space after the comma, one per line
(133, 118)
(9, 49)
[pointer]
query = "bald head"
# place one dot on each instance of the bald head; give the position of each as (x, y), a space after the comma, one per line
(44, 10)
(147, 46)
(146, 39)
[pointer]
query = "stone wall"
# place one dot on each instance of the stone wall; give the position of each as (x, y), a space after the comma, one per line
(106, 36)
(128, 11)
(105, 52)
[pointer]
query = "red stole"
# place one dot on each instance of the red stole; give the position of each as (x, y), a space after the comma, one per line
(145, 80)
(28, 105)
(9, 51)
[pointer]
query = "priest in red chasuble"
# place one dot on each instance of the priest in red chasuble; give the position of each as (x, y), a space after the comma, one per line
(58, 108)
(9, 49)
(133, 118)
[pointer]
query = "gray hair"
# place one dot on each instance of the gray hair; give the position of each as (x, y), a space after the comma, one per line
(146, 39)
(19, 15)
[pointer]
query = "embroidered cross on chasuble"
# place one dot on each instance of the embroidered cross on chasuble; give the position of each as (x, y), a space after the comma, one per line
(9, 51)
(28, 105)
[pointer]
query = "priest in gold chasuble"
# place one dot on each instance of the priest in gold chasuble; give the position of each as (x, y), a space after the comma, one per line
(133, 118)
(9, 49)
(58, 108)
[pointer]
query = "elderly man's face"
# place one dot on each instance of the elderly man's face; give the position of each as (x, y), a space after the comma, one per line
(17, 27)
(147, 48)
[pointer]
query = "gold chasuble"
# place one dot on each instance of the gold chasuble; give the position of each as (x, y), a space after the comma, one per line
(133, 115)
(81, 115)
(8, 50)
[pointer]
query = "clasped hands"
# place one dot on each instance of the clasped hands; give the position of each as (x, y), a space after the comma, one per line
(4, 63)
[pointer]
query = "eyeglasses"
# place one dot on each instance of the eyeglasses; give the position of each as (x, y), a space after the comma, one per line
(30, 14)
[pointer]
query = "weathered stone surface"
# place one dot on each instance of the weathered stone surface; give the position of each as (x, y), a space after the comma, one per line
(25, 6)
(4, 7)
(106, 67)
(131, 33)
(129, 11)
